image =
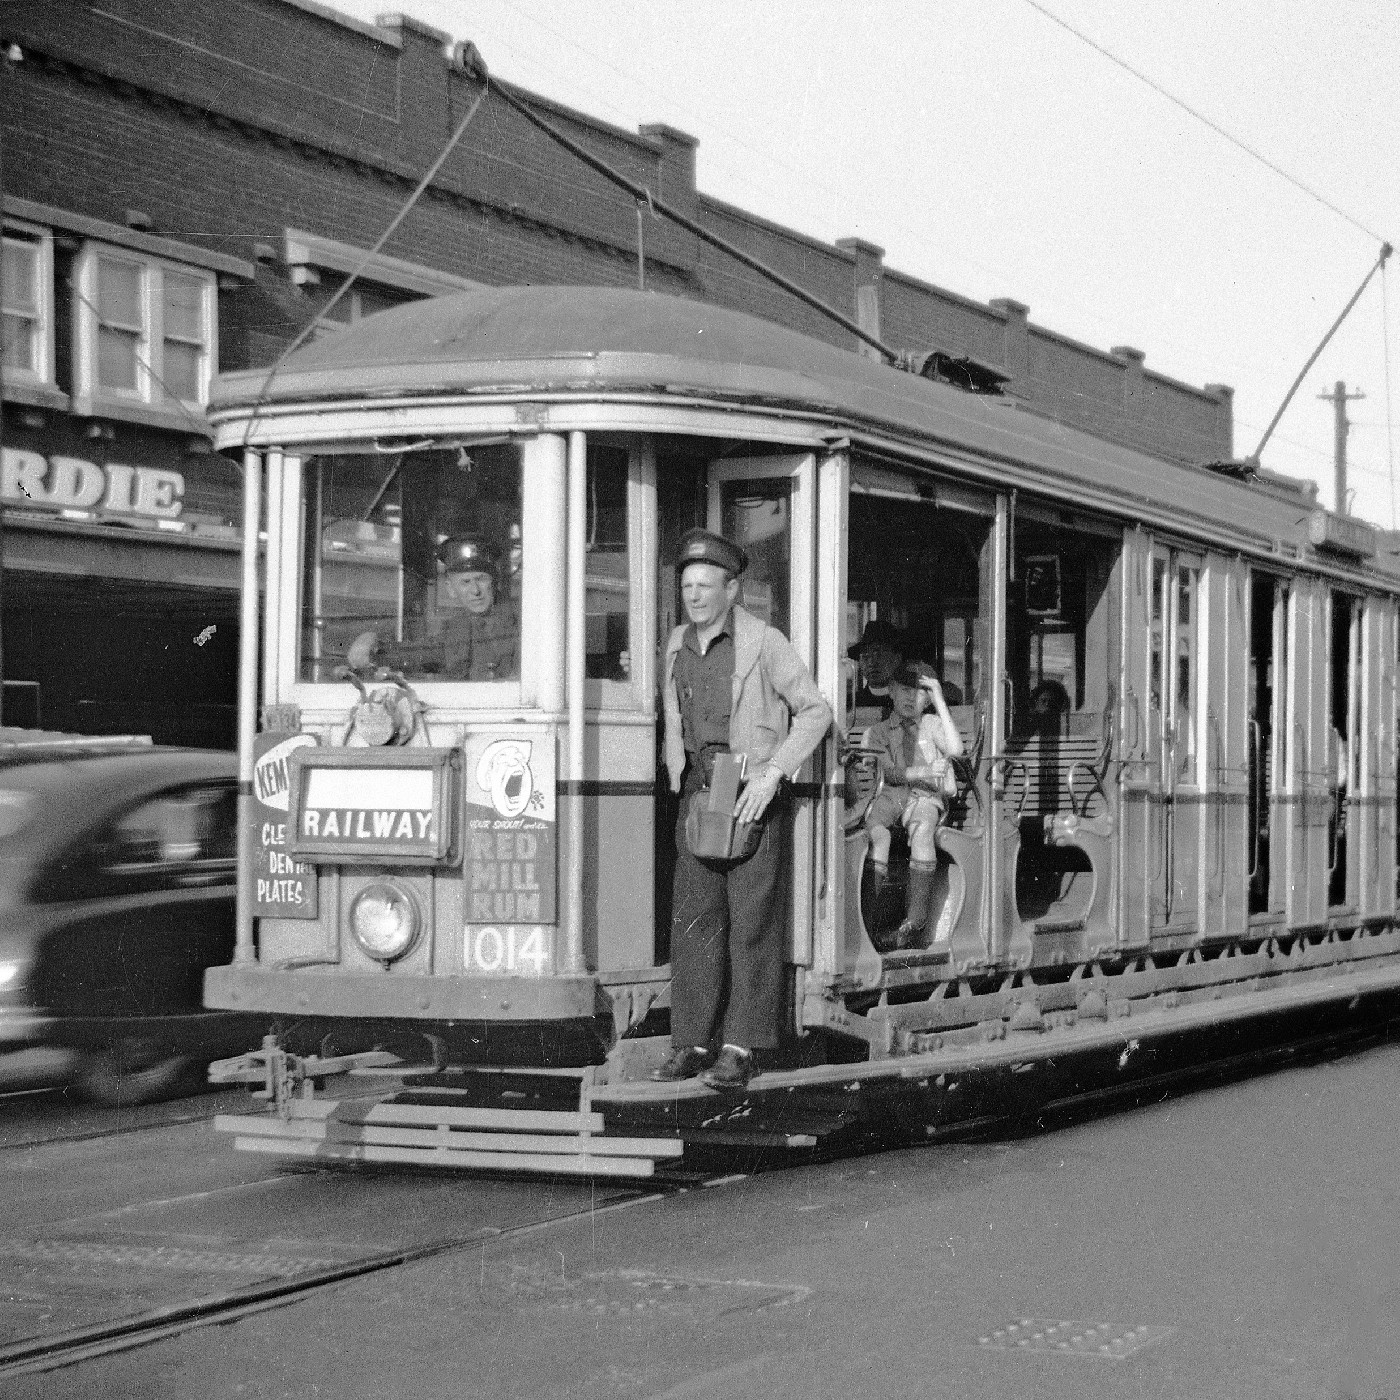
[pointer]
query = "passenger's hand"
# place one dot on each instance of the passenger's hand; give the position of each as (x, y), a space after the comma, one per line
(757, 794)
(929, 685)
(360, 656)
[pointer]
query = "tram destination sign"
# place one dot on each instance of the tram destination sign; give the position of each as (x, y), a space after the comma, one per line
(283, 887)
(356, 805)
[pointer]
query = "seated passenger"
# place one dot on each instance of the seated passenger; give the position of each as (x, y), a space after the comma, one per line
(879, 653)
(914, 750)
(1049, 705)
(471, 634)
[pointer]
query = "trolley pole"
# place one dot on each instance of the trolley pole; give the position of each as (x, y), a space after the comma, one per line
(1341, 426)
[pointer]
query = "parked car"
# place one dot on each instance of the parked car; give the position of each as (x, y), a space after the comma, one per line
(116, 892)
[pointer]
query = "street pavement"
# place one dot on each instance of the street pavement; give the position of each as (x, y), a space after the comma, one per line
(1240, 1241)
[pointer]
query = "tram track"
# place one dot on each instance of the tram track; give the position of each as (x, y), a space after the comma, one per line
(108, 1338)
(86, 1124)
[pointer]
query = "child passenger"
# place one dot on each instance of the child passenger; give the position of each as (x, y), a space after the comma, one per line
(914, 750)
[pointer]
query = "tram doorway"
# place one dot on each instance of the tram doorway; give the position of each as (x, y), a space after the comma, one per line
(1343, 746)
(767, 506)
(919, 588)
(1268, 737)
(1061, 659)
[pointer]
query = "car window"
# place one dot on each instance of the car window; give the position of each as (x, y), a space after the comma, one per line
(176, 828)
(180, 838)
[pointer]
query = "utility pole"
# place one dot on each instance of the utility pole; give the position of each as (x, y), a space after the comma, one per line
(1341, 426)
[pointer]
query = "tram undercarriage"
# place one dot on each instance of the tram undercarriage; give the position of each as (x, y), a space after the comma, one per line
(964, 1061)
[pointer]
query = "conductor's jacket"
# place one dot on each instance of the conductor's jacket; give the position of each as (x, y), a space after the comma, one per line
(777, 713)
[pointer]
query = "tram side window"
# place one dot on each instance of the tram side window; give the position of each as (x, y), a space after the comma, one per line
(1058, 629)
(916, 569)
(607, 574)
(413, 562)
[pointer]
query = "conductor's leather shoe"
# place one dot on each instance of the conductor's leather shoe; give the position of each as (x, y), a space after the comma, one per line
(732, 1070)
(684, 1063)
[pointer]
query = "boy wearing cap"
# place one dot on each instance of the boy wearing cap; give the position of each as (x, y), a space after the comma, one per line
(732, 685)
(913, 750)
(473, 636)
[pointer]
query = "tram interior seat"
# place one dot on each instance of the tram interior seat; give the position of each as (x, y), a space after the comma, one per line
(870, 921)
(1063, 826)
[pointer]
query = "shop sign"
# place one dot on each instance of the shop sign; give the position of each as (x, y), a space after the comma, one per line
(511, 850)
(283, 887)
(70, 483)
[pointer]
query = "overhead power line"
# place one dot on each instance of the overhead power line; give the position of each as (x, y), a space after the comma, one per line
(1203, 119)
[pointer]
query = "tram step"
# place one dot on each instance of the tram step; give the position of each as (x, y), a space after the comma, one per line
(499, 1139)
(580, 1163)
(448, 1115)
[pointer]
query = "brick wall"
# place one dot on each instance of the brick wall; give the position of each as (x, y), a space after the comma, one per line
(227, 124)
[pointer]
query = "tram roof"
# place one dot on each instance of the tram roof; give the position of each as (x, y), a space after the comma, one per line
(494, 339)
(601, 340)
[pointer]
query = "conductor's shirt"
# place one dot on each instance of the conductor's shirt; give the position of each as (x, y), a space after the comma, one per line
(705, 689)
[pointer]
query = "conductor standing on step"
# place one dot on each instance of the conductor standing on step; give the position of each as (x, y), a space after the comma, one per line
(732, 685)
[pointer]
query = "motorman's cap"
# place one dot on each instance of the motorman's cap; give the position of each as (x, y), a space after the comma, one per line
(462, 554)
(705, 547)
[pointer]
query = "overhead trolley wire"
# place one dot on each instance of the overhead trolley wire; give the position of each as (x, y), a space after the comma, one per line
(471, 62)
(365, 261)
(1203, 119)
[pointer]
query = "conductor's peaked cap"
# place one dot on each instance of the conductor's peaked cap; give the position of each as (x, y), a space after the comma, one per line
(469, 554)
(706, 547)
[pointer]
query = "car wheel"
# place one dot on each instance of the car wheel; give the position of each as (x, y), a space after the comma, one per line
(132, 1070)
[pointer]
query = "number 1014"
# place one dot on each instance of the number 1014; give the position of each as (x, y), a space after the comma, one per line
(526, 950)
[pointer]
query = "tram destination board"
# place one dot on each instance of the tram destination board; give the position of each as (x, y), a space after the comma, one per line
(283, 887)
(355, 805)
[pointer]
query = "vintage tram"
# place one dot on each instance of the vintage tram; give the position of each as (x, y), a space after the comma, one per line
(464, 868)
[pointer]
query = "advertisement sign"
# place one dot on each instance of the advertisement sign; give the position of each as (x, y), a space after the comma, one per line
(511, 852)
(283, 887)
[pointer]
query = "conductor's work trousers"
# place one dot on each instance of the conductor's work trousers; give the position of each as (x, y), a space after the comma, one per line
(729, 938)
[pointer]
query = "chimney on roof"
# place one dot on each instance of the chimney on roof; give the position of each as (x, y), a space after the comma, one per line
(869, 272)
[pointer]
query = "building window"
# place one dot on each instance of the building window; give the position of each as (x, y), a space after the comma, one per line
(146, 329)
(27, 281)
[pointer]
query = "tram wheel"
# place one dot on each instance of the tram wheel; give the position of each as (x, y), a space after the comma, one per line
(131, 1070)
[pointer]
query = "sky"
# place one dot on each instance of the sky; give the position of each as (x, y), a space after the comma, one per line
(992, 152)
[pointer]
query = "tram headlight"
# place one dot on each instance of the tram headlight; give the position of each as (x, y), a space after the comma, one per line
(384, 921)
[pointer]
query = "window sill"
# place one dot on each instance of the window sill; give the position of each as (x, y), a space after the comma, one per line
(35, 393)
(148, 415)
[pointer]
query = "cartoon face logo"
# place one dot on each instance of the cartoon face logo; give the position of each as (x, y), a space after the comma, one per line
(504, 773)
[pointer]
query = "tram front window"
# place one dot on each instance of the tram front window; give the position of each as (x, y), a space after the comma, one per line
(413, 563)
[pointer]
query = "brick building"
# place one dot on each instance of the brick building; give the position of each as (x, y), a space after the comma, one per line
(185, 187)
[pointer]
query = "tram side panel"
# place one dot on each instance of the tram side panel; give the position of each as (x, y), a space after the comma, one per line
(1224, 809)
(1306, 795)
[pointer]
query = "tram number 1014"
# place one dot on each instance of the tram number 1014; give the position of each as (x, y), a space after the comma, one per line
(518, 949)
